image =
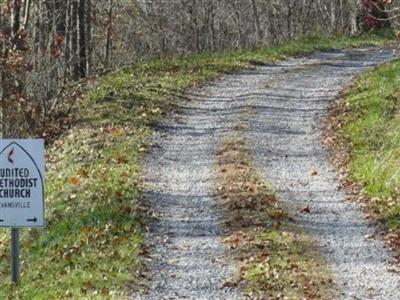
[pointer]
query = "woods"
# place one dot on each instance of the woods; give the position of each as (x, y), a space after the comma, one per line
(47, 45)
(183, 150)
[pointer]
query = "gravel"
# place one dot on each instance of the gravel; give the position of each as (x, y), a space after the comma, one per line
(286, 141)
(189, 258)
(287, 102)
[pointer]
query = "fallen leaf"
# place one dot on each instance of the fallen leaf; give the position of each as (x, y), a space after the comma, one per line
(115, 131)
(306, 210)
(85, 230)
(74, 180)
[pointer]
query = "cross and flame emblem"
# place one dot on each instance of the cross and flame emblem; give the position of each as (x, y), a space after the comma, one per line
(10, 156)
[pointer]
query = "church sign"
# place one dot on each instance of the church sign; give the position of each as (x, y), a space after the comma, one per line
(22, 183)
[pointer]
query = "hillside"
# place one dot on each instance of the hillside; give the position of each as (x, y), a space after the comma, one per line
(205, 149)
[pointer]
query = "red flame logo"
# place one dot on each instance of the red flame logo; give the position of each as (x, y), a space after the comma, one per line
(10, 156)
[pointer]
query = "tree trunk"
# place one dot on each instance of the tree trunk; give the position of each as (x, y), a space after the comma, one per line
(195, 26)
(74, 40)
(109, 32)
(16, 22)
(257, 22)
(27, 7)
(67, 51)
(82, 39)
(289, 19)
(89, 44)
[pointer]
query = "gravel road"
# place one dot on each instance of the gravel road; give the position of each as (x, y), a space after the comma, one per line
(285, 137)
(189, 258)
(288, 102)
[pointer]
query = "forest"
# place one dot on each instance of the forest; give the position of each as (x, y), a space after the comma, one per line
(200, 149)
(48, 45)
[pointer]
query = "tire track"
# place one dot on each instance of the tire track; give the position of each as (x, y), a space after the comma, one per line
(189, 259)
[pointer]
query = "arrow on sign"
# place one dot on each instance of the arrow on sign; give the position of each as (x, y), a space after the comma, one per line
(34, 220)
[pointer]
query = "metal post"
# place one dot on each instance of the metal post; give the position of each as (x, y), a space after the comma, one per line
(15, 255)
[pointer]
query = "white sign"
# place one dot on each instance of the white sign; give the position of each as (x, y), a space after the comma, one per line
(22, 183)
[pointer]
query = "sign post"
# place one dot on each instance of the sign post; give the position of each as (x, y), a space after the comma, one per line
(21, 190)
(15, 255)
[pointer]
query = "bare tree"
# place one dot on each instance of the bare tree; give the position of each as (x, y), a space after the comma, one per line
(46, 44)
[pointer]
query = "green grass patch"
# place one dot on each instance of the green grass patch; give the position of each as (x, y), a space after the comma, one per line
(91, 246)
(371, 128)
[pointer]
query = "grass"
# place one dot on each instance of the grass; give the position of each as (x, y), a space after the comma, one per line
(277, 260)
(371, 130)
(92, 244)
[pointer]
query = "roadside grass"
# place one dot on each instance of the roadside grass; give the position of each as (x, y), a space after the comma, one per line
(93, 237)
(96, 221)
(277, 260)
(370, 129)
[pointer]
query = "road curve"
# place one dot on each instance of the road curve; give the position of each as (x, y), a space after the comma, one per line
(286, 141)
(287, 102)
